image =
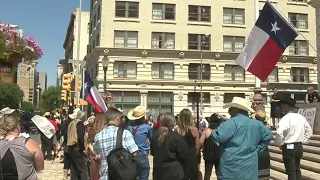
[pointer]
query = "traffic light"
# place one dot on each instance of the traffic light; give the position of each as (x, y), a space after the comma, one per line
(67, 79)
(79, 82)
(64, 95)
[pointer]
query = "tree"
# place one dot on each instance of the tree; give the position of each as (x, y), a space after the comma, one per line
(27, 106)
(50, 98)
(10, 95)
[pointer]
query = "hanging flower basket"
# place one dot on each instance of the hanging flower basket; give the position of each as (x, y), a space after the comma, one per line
(15, 47)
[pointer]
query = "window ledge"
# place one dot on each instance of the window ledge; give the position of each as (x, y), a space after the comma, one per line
(199, 24)
(272, 1)
(234, 26)
(163, 22)
(303, 30)
(297, 3)
(126, 20)
(124, 78)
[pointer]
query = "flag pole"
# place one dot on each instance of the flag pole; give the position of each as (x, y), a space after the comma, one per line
(82, 94)
(256, 16)
(257, 99)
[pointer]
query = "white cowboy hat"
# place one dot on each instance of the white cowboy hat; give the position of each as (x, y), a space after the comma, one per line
(137, 113)
(240, 103)
(46, 114)
(74, 114)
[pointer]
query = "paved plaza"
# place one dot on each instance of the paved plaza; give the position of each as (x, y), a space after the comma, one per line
(53, 171)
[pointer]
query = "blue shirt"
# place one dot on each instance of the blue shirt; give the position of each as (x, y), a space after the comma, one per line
(240, 139)
(143, 134)
(105, 141)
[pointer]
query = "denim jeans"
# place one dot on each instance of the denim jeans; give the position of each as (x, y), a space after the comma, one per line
(144, 166)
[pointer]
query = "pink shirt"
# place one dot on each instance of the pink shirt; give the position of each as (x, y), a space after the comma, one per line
(55, 125)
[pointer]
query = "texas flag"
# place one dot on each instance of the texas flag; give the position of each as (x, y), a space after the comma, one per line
(269, 38)
(91, 94)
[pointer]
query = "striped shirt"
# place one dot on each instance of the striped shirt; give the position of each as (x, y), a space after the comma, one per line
(105, 141)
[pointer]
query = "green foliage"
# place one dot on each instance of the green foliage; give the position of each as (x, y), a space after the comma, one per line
(27, 106)
(50, 99)
(10, 95)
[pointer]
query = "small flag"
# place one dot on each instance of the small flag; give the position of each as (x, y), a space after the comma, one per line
(91, 94)
(269, 38)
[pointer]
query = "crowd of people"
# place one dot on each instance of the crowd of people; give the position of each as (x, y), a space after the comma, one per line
(115, 146)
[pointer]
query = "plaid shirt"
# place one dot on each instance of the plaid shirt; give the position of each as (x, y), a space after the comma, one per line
(105, 141)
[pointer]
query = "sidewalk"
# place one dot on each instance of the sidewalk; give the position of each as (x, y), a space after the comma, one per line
(54, 171)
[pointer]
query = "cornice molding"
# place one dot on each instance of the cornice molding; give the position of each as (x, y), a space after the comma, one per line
(175, 54)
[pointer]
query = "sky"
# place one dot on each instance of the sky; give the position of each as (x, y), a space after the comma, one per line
(45, 20)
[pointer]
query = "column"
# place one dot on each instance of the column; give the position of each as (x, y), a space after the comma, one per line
(316, 5)
(144, 98)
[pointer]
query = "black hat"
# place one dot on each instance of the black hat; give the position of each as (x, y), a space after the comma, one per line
(289, 101)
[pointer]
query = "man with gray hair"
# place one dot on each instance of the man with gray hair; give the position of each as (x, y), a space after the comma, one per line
(76, 146)
(105, 141)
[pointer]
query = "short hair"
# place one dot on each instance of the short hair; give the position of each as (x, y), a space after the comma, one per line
(112, 114)
(81, 115)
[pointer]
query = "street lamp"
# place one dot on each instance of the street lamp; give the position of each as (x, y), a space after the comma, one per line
(105, 63)
(39, 92)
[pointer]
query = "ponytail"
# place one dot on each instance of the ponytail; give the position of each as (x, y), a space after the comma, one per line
(163, 133)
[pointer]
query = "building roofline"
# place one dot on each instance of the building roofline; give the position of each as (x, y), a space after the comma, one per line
(71, 24)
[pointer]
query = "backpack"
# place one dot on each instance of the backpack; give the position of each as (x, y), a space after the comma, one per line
(121, 165)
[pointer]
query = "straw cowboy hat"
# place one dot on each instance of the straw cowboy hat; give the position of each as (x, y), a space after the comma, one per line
(46, 114)
(74, 114)
(259, 115)
(240, 103)
(137, 113)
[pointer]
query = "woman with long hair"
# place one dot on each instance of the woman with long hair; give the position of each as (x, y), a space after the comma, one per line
(169, 151)
(186, 128)
(211, 150)
(99, 124)
(21, 158)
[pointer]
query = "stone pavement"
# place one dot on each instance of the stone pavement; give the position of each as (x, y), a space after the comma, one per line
(54, 171)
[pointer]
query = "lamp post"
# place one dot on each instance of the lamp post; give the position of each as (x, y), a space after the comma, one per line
(105, 63)
(39, 93)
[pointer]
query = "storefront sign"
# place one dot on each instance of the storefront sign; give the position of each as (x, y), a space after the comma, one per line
(309, 114)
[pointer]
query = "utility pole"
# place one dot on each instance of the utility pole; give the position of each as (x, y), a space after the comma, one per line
(77, 69)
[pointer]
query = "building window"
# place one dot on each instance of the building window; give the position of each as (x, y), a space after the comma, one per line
(194, 96)
(273, 76)
(163, 11)
(233, 16)
(127, 9)
(98, 40)
(299, 20)
(94, 21)
(233, 43)
(227, 97)
(199, 42)
(162, 70)
(126, 100)
(162, 40)
(126, 39)
(90, 27)
(234, 73)
(299, 47)
(299, 74)
(300, 1)
(99, 13)
(200, 13)
(160, 102)
(195, 71)
(125, 69)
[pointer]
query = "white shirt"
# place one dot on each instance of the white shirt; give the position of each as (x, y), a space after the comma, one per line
(293, 128)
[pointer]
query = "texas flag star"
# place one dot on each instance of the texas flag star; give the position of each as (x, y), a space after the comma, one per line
(275, 28)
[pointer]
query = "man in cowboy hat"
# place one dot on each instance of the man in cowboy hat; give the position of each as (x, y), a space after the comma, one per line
(293, 130)
(240, 139)
(142, 133)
